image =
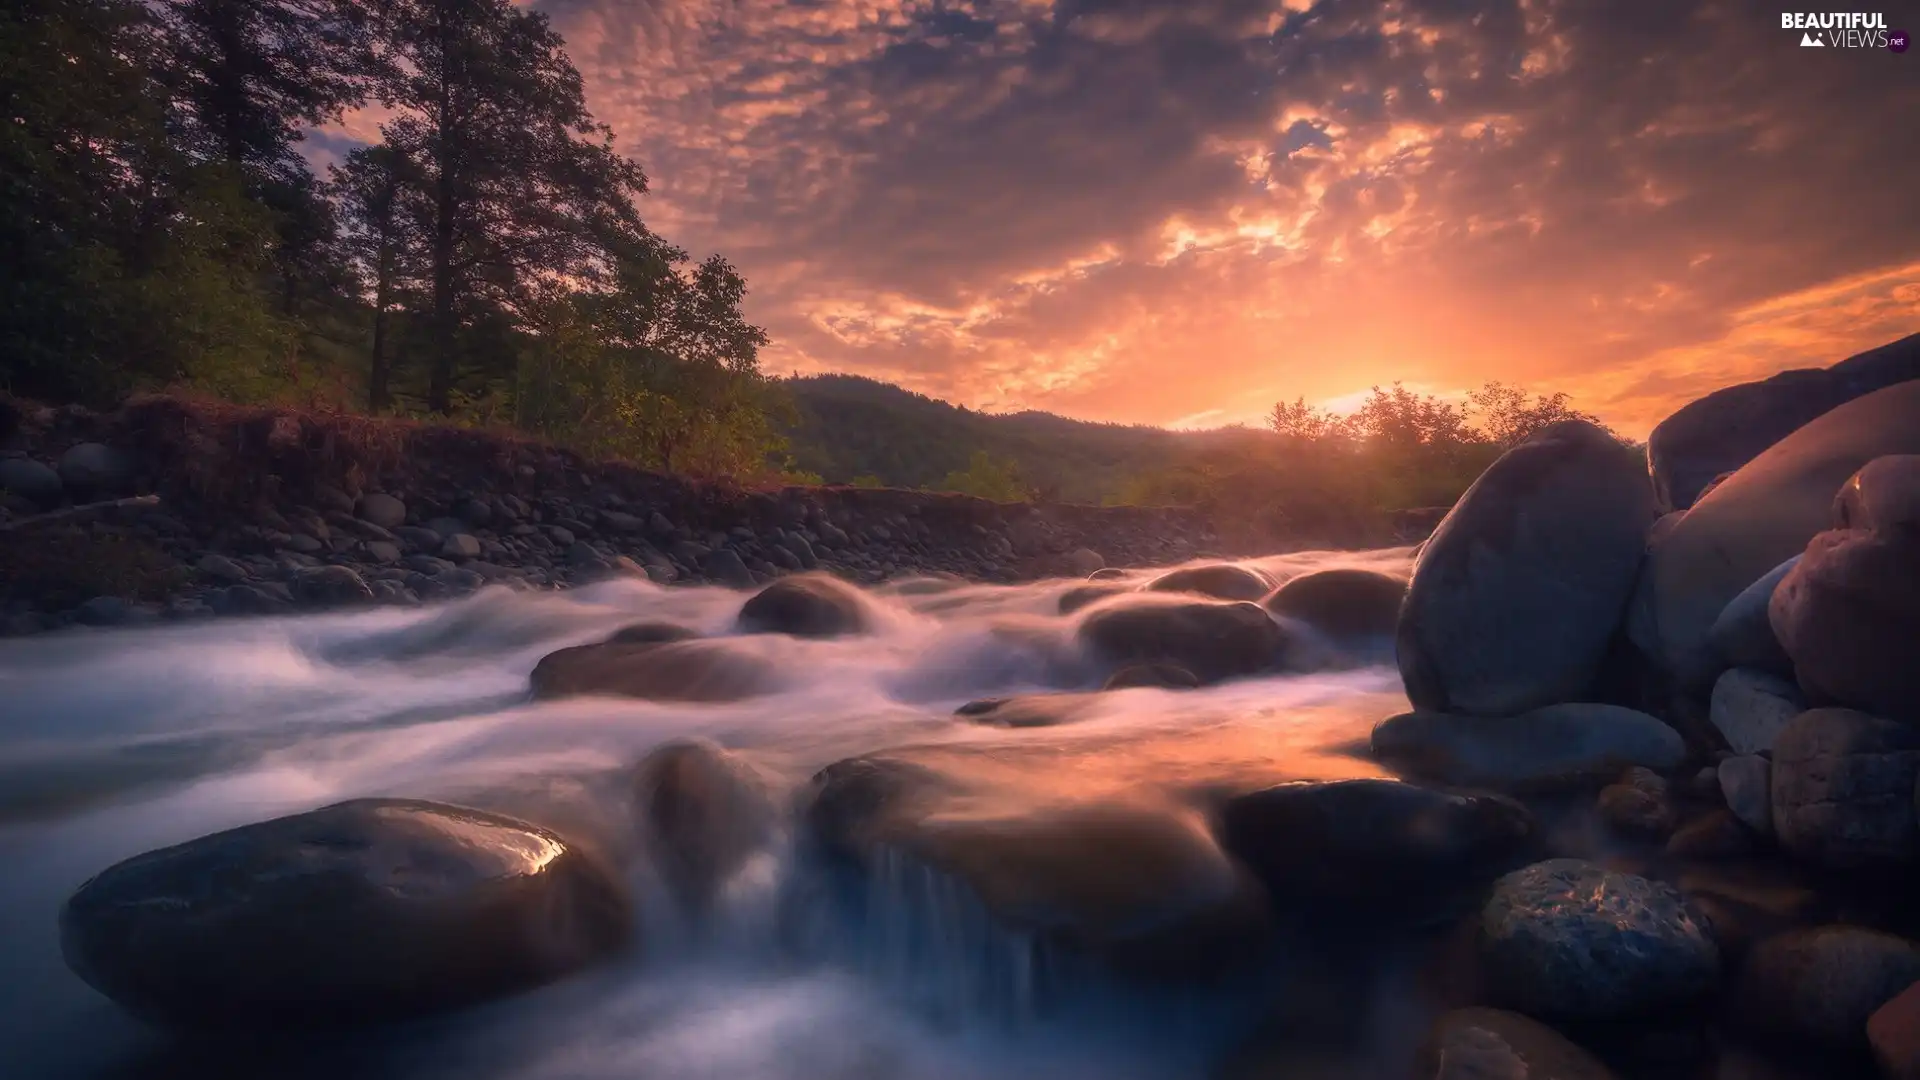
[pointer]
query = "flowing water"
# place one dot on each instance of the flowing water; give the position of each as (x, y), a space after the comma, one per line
(116, 742)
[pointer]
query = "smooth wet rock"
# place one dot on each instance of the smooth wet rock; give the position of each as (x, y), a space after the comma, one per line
(708, 811)
(95, 469)
(381, 509)
(1517, 595)
(31, 480)
(1746, 782)
(364, 911)
(1893, 1031)
(1763, 515)
(1222, 581)
(1560, 746)
(706, 670)
(1373, 844)
(1883, 497)
(1843, 789)
(1081, 596)
(1214, 641)
(1570, 940)
(1849, 616)
(806, 605)
(1751, 707)
(1742, 636)
(329, 586)
(1343, 603)
(652, 633)
(1493, 1044)
(1165, 676)
(1028, 710)
(1821, 985)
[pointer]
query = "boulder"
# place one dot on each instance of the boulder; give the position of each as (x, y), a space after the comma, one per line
(1732, 426)
(1893, 1031)
(31, 480)
(1742, 634)
(1517, 595)
(1222, 581)
(1763, 515)
(1570, 940)
(1843, 789)
(382, 510)
(1884, 497)
(364, 911)
(1342, 603)
(705, 670)
(1493, 1044)
(1378, 845)
(1750, 707)
(1081, 596)
(1822, 985)
(93, 468)
(1746, 782)
(652, 633)
(1849, 616)
(1214, 641)
(1167, 676)
(806, 605)
(708, 812)
(1559, 746)
(329, 586)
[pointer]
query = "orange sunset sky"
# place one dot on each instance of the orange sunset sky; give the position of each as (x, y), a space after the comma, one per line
(1177, 213)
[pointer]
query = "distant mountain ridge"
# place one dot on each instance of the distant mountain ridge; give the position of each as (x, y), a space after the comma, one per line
(851, 426)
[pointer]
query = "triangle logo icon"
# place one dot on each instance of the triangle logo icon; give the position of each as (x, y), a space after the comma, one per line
(1809, 41)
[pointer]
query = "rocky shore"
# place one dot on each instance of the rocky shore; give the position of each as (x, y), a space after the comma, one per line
(172, 509)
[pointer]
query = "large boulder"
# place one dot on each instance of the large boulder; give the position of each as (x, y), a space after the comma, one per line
(30, 480)
(1570, 940)
(1725, 430)
(1493, 1044)
(1821, 985)
(806, 605)
(93, 468)
(1884, 497)
(1559, 746)
(1742, 634)
(1760, 517)
(1222, 581)
(369, 910)
(1343, 603)
(708, 812)
(1518, 593)
(1749, 708)
(1378, 845)
(1849, 616)
(1214, 641)
(1843, 789)
(708, 670)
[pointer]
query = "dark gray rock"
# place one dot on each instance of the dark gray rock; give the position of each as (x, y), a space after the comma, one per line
(708, 812)
(31, 480)
(330, 586)
(104, 611)
(383, 551)
(1162, 675)
(726, 567)
(1570, 940)
(95, 469)
(1750, 708)
(1843, 789)
(1222, 581)
(364, 911)
(460, 546)
(220, 568)
(806, 605)
(447, 527)
(707, 670)
(1820, 985)
(246, 600)
(1746, 782)
(1518, 594)
(1560, 746)
(1342, 603)
(1212, 640)
(418, 537)
(382, 510)
(1743, 634)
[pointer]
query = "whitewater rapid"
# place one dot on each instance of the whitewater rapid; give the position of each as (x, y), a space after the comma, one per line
(117, 742)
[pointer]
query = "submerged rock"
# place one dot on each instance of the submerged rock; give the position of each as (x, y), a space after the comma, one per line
(1214, 641)
(1167, 676)
(806, 605)
(1222, 581)
(1822, 984)
(1843, 789)
(708, 812)
(652, 633)
(1518, 594)
(364, 911)
(1373, 844)
(1559, 746)
(1493, 1044)
(705, 670)
(1571, 940)
(1343, 603)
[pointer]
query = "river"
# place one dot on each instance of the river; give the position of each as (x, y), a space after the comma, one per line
(116, 742)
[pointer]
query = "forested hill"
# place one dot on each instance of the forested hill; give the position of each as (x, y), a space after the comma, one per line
(855, 429)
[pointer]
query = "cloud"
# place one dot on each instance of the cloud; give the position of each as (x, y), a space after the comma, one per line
(1156, 211)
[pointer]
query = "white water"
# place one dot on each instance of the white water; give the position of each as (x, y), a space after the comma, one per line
(113, 743)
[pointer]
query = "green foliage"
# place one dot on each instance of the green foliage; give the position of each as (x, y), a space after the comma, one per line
(988, 478)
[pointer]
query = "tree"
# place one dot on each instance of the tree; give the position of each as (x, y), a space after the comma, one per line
(525, 197)
(377, 191)
(988, 478)
(1508, 417)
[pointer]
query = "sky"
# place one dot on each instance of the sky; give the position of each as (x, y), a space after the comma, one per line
(1181, 212)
